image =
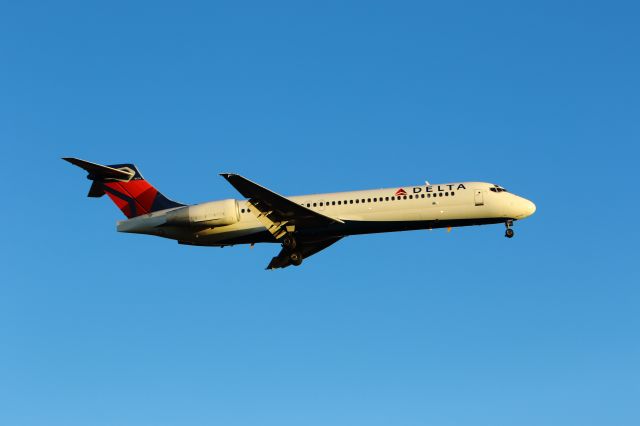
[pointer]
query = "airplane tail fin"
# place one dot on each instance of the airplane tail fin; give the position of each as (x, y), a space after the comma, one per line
(126, 187)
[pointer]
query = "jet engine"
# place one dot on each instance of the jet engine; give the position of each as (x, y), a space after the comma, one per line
(213, 213)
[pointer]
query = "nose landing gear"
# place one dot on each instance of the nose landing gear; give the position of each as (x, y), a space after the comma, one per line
(509, 232)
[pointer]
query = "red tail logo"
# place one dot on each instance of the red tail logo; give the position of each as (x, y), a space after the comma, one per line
(134, 198)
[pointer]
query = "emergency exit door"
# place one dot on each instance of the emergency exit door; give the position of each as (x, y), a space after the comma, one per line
(478, 198)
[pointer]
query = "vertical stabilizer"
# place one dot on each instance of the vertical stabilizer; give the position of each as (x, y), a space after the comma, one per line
(126, 187)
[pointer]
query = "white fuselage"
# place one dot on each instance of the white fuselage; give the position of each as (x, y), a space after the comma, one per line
(380, 210)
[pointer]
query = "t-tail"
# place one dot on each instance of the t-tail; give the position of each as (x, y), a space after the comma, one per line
(126, 187)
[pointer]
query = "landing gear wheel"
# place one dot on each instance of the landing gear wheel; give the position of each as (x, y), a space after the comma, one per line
(289, 242)
(509, 233)
(295, 258)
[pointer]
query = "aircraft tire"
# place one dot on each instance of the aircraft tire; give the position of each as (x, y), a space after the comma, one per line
(289, 242)
(296, 258)
(509, 233)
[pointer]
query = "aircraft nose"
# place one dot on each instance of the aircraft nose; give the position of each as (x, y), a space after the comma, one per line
(530, 208)
(522, 208)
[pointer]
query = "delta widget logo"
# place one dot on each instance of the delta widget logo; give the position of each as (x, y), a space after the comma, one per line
(400, 192)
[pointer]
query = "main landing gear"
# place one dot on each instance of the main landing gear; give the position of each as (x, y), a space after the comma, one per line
(509, 232)
(295, 258)
(289, 244)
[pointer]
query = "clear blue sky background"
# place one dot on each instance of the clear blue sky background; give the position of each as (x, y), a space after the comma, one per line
(101, 328)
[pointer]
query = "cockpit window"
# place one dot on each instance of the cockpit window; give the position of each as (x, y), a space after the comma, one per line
(497, 188)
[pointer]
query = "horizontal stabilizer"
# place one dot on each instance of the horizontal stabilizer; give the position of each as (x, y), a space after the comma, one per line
(96, 190)
(100, 172)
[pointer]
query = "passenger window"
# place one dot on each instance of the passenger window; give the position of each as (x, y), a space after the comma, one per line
(393, 198)
(446, 194)
(421, 195)
(404, 197)
(357, 201)
(440, 195)
(411, 197)
(314, 204)
(453, 193)
(242, 210)
(386, 198)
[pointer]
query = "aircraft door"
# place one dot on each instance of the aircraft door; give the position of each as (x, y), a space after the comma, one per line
(479, 199)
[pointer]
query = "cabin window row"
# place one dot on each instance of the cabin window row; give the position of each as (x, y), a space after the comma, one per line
(374, 200)
(380, 199)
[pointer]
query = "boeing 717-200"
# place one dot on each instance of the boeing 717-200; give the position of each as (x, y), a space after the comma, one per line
(303, 225)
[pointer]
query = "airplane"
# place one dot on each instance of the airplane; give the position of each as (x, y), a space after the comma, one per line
(303, 225)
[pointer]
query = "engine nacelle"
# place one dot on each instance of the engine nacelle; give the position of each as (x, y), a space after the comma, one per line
(213, 213)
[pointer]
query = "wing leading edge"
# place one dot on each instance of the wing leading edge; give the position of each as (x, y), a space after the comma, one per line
(279, 214)
(282, 217)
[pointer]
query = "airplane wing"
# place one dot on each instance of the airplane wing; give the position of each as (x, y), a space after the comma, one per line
(277, 213)
(307, 249)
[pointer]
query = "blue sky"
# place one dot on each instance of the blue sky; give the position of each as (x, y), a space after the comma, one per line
(414, 328)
